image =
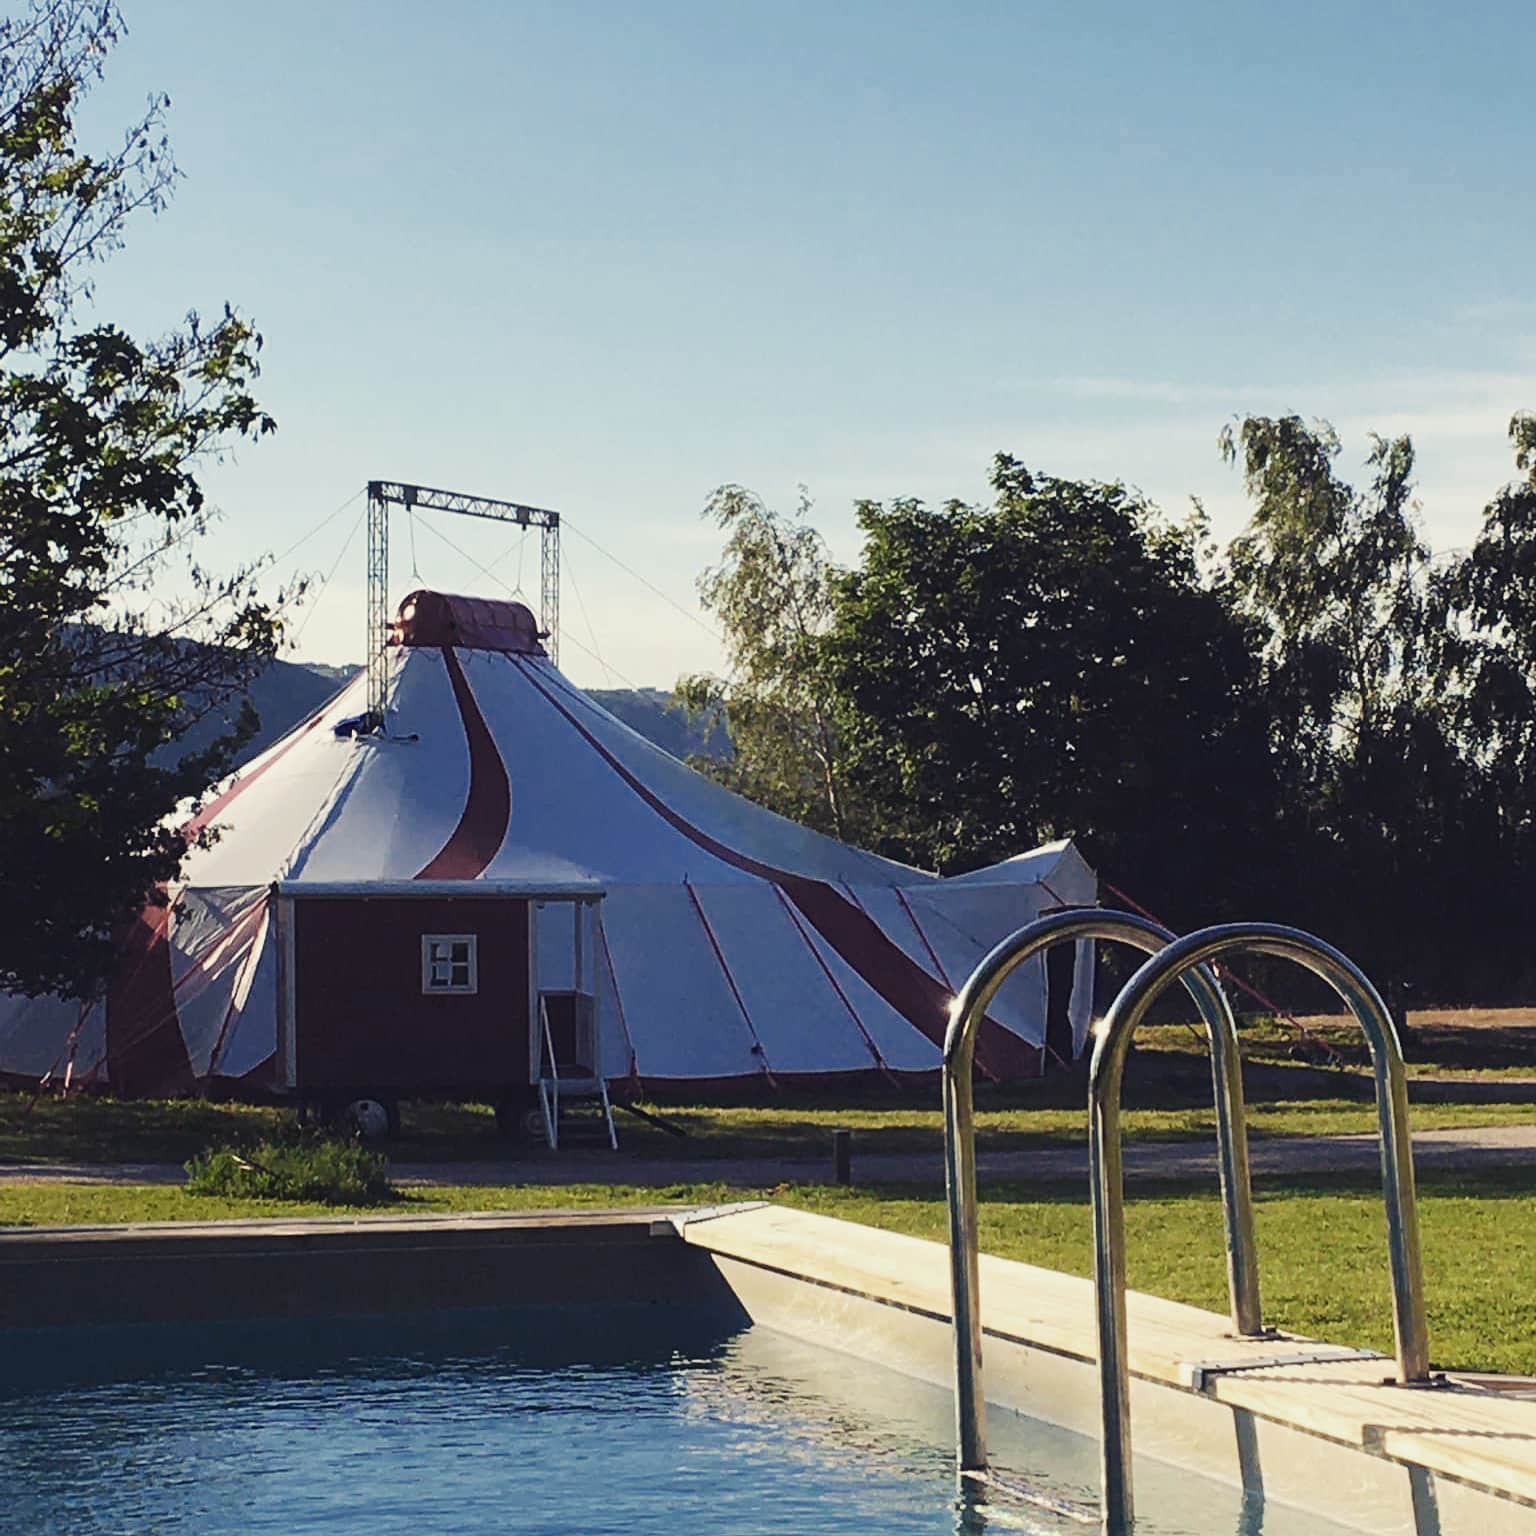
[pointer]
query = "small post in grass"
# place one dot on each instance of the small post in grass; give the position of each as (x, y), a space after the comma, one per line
(842, 1157)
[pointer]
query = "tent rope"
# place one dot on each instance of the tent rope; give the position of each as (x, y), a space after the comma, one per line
(1311, 1036)
(319, 527)
(326, 580)
(650, 586)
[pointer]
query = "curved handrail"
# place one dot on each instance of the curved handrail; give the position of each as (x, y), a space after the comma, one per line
(966, 1014)
(1104, 1084)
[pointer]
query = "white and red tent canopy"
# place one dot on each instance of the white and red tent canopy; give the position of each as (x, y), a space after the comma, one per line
(733, 943)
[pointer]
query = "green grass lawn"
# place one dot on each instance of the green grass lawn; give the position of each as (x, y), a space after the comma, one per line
(100, 1130)
(1476, 1045)
(1322, 1253)
(788, 1131)
(1322, 1241)
(1322, 1245)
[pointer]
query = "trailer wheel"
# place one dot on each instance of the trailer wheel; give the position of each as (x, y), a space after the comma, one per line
(372, 1119)
(519, 1118)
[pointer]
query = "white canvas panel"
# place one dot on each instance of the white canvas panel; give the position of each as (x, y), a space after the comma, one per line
(555, 925)
(280, 796)
(35, 1037)
(618, 1049)
(212, 933)
(1057, 865)
(1065, 879)
(964, 923)
(566, 944)
(535, 867)
(742, 826)
(1080, 1010)
(86, 1056)
(250, 1036)
(405, 797)
(945, 949)
(902, 1046)
(682, 1017)
(889, 909)
(803, 1025)
(567, 800)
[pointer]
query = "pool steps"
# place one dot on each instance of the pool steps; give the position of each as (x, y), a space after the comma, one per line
(1190, 960)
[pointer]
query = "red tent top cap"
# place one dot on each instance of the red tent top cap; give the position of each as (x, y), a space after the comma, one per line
(479, 623)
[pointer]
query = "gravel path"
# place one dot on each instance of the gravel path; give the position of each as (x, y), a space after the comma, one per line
(1490, 1147)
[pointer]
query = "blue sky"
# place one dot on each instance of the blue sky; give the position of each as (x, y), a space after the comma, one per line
(602, 257)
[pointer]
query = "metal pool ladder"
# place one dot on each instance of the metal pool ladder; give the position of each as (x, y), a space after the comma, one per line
(1187, 960)
(1104, 1083)
(960, 1139)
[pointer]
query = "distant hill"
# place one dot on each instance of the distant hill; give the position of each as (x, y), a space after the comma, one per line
(651, 712)
(283, 695)
(288, 691)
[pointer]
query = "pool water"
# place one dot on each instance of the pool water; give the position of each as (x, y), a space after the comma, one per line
(634, 1420)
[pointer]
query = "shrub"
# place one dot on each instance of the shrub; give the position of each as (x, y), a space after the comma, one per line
(314, 1168)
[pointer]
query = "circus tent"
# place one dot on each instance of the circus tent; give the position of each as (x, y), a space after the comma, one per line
(505, 811)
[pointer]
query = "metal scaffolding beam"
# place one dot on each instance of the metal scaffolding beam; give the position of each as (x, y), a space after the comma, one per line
(378, 599)
(384, 494)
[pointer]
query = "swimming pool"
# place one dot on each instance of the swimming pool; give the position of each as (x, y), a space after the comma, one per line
(554, 1420)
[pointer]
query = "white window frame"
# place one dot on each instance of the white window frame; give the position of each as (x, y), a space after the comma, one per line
(436, 952)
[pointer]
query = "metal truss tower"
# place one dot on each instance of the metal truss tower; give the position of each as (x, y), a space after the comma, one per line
(384, 494)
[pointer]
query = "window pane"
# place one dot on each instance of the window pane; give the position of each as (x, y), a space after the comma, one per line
(448, 962)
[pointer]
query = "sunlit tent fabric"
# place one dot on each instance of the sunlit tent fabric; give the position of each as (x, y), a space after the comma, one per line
(732, 944)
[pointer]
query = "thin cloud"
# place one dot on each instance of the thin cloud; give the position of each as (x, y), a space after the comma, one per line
(1144, 391)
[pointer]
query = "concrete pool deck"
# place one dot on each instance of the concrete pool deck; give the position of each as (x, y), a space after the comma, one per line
(1468, 1149)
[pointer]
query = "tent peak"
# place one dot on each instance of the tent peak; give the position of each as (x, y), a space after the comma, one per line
(478, 623)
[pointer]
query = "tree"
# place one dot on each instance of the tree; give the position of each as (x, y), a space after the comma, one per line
(1490, 596)
(1053, 665)
(1360, 658)
(1494, 591)
(1340, 580)
(100, 438)
(772, 594)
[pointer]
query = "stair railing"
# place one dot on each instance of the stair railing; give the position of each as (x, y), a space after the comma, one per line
(549, 1084)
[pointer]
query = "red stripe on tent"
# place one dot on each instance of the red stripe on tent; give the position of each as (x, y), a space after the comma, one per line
(905, 985)
(933, 954)
(488, 808)
(146, 1054)
(832, 981)
(741, 1002)
(921, 1000)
